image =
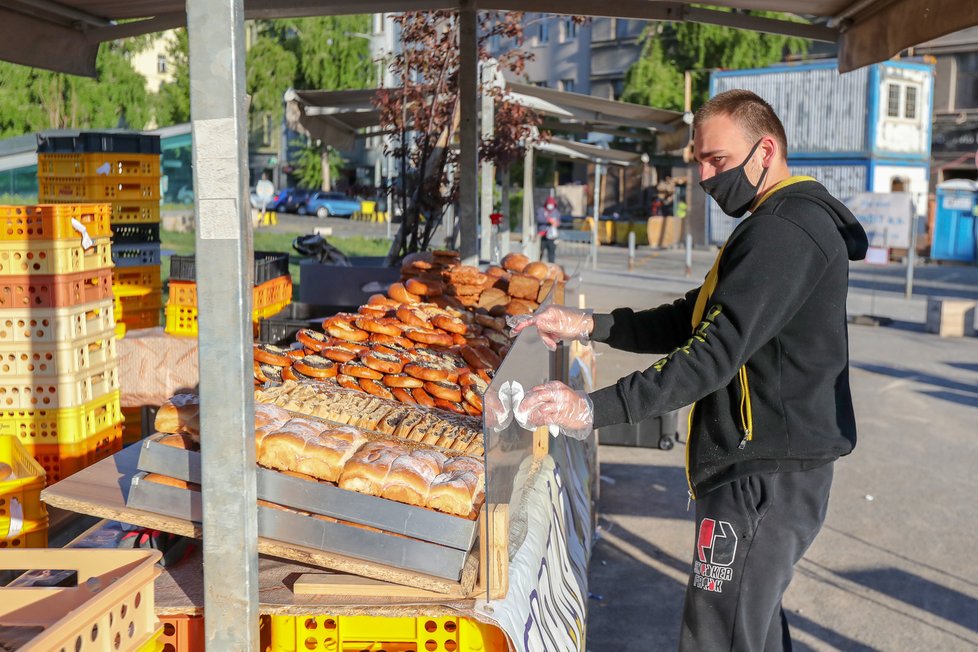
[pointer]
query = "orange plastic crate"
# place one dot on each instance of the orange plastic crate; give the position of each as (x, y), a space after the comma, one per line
(65, 390)
(152, 300)
(54, 221)
(71, 189)
(42, 360)
(182, 633)
(136, 212)
(132, 425)
(62, 426)
(61, 460)
(274, 292)
(98, 164)
(111, 608)
(182, 293)
(55, 291)
(27, 326)
(141, 319)
(23, 517)
(144, 276)
(19, 257)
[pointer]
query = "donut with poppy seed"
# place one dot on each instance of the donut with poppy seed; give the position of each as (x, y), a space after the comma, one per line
(444, 390)
(311, 339)
(422, 397)
(288, 374)
(357, 369)
(348, 382)
(382, 325)
(316, 366)
(375, 388)
(272, 355)
(425, 370)
(337, 354)
(412, 316)
(386, 363)
(402, 381)
(343, 329)
(450, 406)
(428, 336)
(450, 324)
(403, 395)
(398, 340)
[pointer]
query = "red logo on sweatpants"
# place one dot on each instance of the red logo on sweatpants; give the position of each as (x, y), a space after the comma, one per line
(717, 542)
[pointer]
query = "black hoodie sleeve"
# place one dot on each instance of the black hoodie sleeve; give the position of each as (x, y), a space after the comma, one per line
(767, 271)
(657, 330)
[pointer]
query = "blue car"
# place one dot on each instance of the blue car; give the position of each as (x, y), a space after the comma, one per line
(289, 200)
(331, 204)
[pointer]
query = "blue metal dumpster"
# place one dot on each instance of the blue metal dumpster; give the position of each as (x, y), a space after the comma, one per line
(955, 221)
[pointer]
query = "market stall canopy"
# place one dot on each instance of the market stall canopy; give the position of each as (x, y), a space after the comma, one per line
(64, 35)
(569, 149)
(339, 117)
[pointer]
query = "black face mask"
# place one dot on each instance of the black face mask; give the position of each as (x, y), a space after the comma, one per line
(732, 190)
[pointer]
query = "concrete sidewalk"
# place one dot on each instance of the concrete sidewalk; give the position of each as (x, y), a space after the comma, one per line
(890, 569)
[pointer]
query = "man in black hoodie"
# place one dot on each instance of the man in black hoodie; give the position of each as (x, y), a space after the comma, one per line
(761, 351)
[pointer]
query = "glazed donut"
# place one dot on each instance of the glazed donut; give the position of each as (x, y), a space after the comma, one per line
(297, 352)
(272, 372)
(260, 376)
(445, 390)
(337, 354)
(272, 355)
(402, 381)
(374, 312)
(450, 406)
(311, 339)
(403, 395)
(396, 340)
(380, 301)
(398, 292)
(375, 388)
(343, 329)
(422, 397)
(426, 370)
(424, 288)
(381, 325)
(289, 374)
(316, 366)
(472, 398)
(412, 316)
(428, 336)
(347, 382)
(357, 369)
(386, 363)
(450, 324)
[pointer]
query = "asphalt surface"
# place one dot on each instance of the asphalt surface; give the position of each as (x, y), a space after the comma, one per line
(892, 568)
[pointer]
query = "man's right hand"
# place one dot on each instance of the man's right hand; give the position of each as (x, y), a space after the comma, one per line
(557, 323)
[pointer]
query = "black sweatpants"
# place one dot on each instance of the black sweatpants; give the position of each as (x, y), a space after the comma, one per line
(548, 247)
(750, 533)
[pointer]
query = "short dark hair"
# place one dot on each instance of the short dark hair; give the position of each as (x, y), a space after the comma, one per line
(749, 110)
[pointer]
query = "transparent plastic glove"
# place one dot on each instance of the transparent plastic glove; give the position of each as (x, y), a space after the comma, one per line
(555, 324)
(556, 404)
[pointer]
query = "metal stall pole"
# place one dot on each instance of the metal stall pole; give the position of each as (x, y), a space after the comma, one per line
(468, 159)
(224, 280)
(488, 169)
(597, 214)
(529, 224)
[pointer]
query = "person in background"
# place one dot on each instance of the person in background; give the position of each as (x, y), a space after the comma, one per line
(548, 223)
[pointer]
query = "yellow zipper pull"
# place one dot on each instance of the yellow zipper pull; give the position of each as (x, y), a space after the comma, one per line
(689, 501)
(744, 440)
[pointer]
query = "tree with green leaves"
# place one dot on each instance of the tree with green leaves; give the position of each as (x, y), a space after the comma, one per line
(670, 49)
(173, 98)
(270, 69)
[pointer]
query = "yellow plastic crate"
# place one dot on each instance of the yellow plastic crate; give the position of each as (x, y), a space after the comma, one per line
(355, 633)
(65, 390)
(71, 189)
(65, 426)
(18, 257)
(98, 164)
(61, 460)
(22, 514)
(111, 608)
(181, 321)
(136, 212)
(139, 276)
(155, 644)
(43, 360)
(29, 326)
(144, 300)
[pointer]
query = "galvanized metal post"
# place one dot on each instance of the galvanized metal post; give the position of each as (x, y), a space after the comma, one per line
(488, 169)
(911, 251)
(468, 159)
(529, 224)
(224, 282)
(597, 215)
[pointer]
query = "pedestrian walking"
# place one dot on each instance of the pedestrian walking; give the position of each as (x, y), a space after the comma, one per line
(548, 225)
(761, 351)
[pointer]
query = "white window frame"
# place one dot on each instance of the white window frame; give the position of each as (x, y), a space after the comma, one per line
(903, 89)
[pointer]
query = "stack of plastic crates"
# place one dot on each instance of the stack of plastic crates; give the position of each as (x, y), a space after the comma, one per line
(23, 517)
(272, 291)
(59, 376)
(123, 170)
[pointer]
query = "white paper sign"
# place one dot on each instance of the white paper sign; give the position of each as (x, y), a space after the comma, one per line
(885, 216)
(877, 256)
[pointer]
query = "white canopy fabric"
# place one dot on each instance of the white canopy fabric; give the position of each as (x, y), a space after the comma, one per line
(64, 35)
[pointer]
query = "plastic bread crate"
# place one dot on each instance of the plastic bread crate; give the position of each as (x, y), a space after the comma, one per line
(277, 292)
(98, 164)
(182, 293)
(55, 325)
(21, 509)
(281, 327)
(62, 426)
(111, 607)
(182, 633)
(44, 360)
(139, 319)
(268, 265)
(66, 390)
(19, 257)
(72, 189)
(152, 300)
(54, 290)
(136, 255)
(135, 233)
(181, 320)
(62, 460)
(356, 633)
(87, 142)
(144, 276)
(154, 644)
(268, 311)
(136, 212)
(54, 221)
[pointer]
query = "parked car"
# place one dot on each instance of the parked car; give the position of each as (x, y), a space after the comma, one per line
(331, 204)
(289, 200)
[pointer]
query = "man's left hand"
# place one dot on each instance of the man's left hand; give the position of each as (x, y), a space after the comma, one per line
(555, 403)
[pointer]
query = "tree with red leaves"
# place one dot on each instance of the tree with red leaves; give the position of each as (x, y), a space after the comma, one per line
(423, 115)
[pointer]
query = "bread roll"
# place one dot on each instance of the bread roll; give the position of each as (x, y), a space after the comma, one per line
(366, 471)
(171, 482)
(537, 270)
(523, 286)
(325, 456)
(410, 477)
(181, 414)
(514, 262)
(452, 493)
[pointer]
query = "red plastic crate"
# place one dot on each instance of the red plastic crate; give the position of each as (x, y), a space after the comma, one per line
(182, 633)
(55, 291)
